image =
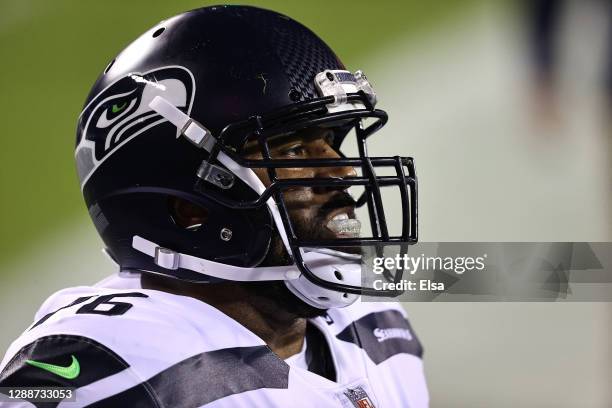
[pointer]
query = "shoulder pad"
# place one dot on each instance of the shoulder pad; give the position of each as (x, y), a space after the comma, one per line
(61, 361)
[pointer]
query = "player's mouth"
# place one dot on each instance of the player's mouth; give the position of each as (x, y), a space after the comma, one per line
(343, 224)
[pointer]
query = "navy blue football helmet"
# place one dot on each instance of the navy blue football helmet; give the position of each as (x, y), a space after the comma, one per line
(170, 116)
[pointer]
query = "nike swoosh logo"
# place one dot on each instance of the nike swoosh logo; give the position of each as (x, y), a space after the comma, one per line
(70, 372)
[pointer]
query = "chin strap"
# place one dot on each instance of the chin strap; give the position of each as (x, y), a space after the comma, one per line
(323, 264)
(169, 259)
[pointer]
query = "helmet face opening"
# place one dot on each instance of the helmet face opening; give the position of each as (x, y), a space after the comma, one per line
(201, 124)
(370, 231)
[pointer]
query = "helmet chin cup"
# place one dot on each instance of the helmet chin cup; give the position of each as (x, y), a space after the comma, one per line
(317, 296)
(330, 266)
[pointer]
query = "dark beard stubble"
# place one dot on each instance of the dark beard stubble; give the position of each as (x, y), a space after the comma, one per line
(276, 292)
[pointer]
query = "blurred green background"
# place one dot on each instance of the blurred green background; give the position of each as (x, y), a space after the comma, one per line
(494, 164)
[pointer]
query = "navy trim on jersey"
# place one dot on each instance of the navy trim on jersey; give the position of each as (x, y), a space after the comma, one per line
(204, 378)
(318, 355)
(382, 335)
(95, 360)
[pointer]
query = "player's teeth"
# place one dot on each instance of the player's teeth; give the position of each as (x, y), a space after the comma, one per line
(343, 216)
(345, 226)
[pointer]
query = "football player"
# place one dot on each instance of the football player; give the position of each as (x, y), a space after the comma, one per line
(208, 153)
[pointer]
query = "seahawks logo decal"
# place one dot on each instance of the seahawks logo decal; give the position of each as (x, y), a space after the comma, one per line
(121, 112)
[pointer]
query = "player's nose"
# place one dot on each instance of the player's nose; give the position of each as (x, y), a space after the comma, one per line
(327, 152)
(339, 172)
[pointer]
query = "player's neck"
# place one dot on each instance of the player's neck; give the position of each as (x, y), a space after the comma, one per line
(284, 336)
(282, 331)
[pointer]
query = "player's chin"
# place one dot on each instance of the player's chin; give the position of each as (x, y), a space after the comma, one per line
(283, 303)
(302, 309)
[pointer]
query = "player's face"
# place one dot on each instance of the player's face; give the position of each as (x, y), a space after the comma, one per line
(311, 208)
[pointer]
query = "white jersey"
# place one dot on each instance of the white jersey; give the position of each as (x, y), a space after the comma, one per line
(120, 345)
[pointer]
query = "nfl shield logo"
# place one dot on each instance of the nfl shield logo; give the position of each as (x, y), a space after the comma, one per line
(359, 398)
(365, 403)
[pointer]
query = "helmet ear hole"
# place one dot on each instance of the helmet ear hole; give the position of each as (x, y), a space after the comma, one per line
(186, 214)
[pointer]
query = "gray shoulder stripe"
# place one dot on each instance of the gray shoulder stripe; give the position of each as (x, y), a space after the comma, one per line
(206, 377)
(382, 335)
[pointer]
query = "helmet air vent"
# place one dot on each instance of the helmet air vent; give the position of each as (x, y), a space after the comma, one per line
(158, 32)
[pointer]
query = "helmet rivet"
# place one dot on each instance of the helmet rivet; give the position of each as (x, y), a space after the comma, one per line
(226, 234)
(330, 76)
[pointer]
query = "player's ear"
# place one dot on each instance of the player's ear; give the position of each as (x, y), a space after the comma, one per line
(186, 214)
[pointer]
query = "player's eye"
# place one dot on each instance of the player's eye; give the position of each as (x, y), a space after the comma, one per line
(294, 150)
